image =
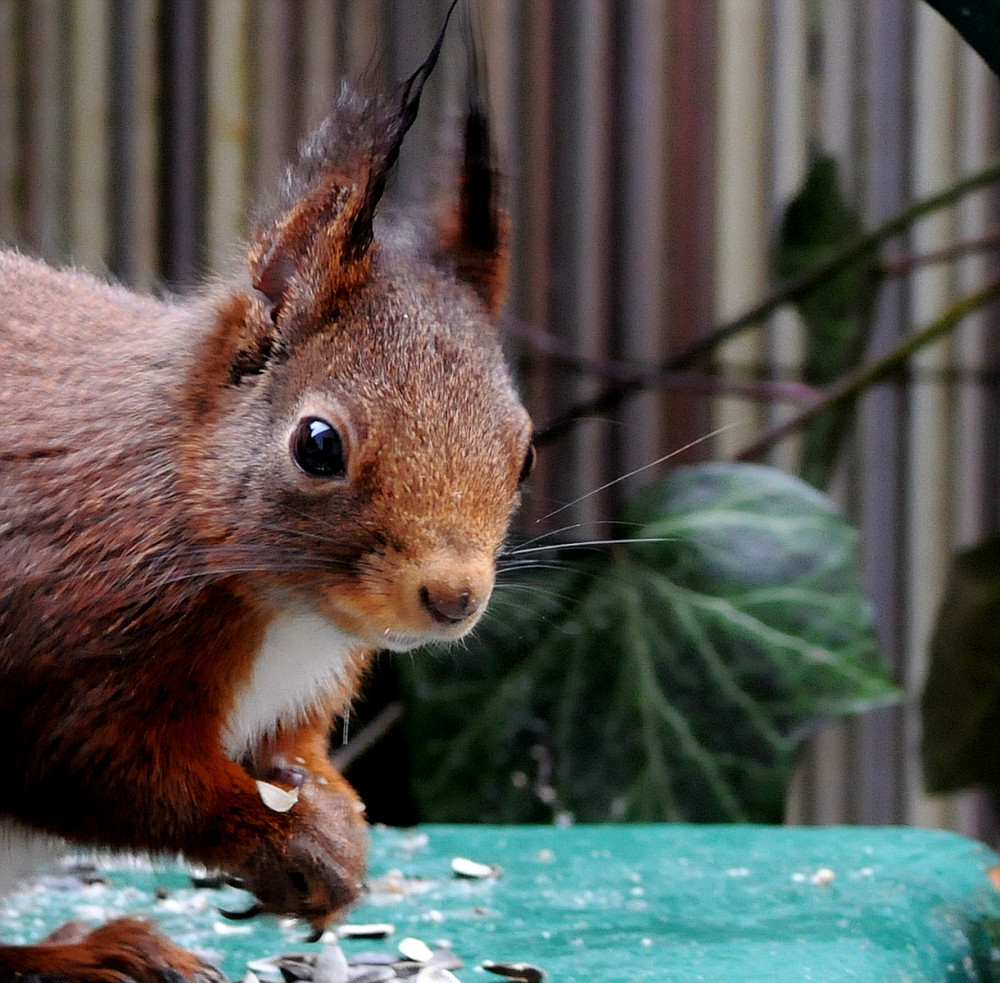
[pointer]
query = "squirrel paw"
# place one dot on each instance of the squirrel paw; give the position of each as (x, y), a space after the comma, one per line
(125, 949)
(318, 871)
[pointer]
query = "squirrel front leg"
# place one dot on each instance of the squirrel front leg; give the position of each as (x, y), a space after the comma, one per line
(306, 860)
(326, 852)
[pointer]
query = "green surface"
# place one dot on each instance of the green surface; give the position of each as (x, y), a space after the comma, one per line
(604, 903)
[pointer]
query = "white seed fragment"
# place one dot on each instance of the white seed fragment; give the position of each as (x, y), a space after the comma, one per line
(415, 949)
(822, 877)
(275, 798)
(463, 867)
(372, 930)
(331, 966)
(434, 974)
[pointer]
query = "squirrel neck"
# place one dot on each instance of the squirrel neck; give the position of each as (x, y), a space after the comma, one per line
(303, 660)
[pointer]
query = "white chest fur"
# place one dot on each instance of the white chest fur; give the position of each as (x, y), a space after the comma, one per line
(302, 657)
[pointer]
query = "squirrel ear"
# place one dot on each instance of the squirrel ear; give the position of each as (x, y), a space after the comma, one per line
(474, 234)
(317, 248)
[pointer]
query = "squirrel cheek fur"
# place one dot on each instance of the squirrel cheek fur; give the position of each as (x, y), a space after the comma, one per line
(213, 512)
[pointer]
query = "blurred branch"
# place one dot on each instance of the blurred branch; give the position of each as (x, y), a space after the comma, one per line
(901, 265)
(857, 382)
(765, 390)
(370, 735)
(787, 292)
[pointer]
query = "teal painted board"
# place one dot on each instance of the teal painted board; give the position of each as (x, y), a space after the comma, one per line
(624, 903)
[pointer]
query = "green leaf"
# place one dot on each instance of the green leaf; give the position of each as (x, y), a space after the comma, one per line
(837, 312)
(961, 699)
(671, 679)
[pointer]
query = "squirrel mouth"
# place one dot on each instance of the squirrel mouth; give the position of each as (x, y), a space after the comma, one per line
(397, 641)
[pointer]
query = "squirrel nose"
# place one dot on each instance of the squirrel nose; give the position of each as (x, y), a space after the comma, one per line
(448, 605)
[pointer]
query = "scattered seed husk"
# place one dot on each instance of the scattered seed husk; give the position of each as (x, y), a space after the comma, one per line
(415, 949)
(275, 798)
(444, 958)
(823, 877)
(434, 974)
(406, 969)
(331, 966)
(372, 958)
(371, 974)
(268, 970)
(371, 930)
(200, 877)
(523, 972)
(293, 971)
(472, 869)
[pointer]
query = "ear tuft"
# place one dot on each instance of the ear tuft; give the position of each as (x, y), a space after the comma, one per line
(317, 247)
(474, 233)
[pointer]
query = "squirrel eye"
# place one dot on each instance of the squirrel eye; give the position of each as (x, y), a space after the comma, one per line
(529, 464)
(318, 449)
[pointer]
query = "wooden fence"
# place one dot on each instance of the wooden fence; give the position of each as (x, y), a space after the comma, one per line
(651, 145)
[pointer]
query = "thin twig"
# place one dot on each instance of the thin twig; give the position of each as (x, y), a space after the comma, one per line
(857, 382)
(371, 734)
(784, 293)
(765, 390)
(901, 265)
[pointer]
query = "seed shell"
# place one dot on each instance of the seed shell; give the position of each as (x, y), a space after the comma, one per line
(523, 972)
(275, 798)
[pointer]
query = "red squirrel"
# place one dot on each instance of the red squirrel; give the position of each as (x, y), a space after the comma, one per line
(215, 510)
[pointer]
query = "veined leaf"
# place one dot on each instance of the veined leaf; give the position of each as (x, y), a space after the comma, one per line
(664, 680)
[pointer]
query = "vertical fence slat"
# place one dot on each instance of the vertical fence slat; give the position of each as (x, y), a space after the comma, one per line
(184, 137)
(790, 134)
(47, 156)
(227, 129)
(641, 249)
(10, 137)
(930, 461)
(585, 162)
(689, 192)
(135, 142)
(89, 121)
(881, 418)
(321, 66)
(741, 198)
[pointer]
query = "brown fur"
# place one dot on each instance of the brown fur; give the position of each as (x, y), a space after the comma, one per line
(153, 525)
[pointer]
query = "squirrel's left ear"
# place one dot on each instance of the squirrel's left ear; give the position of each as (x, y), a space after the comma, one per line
(474, 232)
(315, 248)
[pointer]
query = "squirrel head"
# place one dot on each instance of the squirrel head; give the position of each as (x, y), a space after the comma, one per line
(357, 444)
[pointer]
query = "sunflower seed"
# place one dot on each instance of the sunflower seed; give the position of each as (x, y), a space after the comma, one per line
(463, 867)
(415, 949)
(375, 930)
(371, 974)
(523, 972)
(275, 798)
(331, 966)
